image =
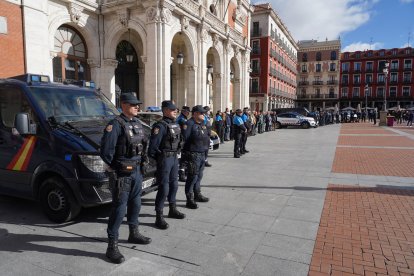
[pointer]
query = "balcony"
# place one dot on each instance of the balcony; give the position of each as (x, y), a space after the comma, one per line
(332, 82)
(357, 71)
(381, 82)
(304, 71)
(344, 96)
(256, 32)
(255, 70)
(357, 82)
(345, 71)
(317, 82)
(368, 70)
(255, 51)
(317, 96)
(407, 81)
(408, 68)
(332, 69)
(394, 69)
(344, 82)
(331, 96)
(394, 81)
(303, 83)
(303, 96)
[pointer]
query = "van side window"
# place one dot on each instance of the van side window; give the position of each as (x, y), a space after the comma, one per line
(12, 101)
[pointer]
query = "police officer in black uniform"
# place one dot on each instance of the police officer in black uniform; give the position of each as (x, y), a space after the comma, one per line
(181, 121)
(197, 141)
(238, 129)
(123, 148)
(165, 143)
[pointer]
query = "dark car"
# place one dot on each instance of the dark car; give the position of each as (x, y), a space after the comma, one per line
(49, 145)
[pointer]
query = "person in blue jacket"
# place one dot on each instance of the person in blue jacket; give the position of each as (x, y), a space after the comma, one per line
(239, 128)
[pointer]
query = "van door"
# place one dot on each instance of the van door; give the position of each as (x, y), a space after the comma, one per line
(15, 150)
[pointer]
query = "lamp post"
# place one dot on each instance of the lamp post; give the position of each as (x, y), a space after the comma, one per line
(180, 58)
(366, 99)
(129, 55)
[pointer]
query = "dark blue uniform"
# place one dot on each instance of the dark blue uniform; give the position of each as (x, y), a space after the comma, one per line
(197, 140)
(165, 143)
(181, 121)
(122, 147)
(239, 128)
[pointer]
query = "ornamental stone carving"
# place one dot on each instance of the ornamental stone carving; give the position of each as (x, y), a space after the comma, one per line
(93, 63)
(215, 39)
(236, 50)
(184, 23)
(111, 62)
(123, 16)
(204, 35)
(166, 15)
(191, 68)
(75, 12)
(153, 14)
(144, 59)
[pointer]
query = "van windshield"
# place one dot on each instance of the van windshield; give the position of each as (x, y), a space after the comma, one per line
(71, 104)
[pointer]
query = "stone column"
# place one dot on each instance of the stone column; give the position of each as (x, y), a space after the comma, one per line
(141, 85)
(191, 80)
(107, 78)
(201, 94)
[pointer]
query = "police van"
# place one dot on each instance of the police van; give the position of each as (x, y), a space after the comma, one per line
(49, 144)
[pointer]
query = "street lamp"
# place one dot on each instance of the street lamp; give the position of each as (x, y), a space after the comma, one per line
(385, 71)
(129, 55)
(180, 58)
(210, 68)
(366, 90)
(231, 75)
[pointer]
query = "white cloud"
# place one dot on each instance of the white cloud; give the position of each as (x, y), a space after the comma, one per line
(320, 19)
(406, 45)
(360, 46)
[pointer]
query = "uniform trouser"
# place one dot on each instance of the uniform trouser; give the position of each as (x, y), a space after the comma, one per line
(227, 133)
(167, 180)
(126, 194)
(237, 143)
(196, 161)
(243, 141)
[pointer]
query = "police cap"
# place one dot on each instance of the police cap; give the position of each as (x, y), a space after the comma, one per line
(198, 108)
(238, 110)
(185, 108)
(168, 104)
(206, 108)
(129, 98)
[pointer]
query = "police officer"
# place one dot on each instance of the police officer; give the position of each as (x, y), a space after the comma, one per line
(248, 125)
(165, 144)
(208, 125)
(239, 128)
(181, 121)
(123, 147)
(197, 140)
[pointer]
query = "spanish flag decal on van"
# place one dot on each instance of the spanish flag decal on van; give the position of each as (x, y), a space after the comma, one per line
(21, 159)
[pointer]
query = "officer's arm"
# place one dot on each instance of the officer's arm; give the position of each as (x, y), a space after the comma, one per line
(158, 131)
(109, 140)
(187, 130)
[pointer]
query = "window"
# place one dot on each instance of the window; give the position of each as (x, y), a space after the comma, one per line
(346, 55)
(318, 56)
(255, 85)
(369, 66)
(304, 57)
(304, 68)
(344, 79)
(213, 9)
(407, 51)
(393, 91)
(357, 79)
(13, 101)
(394, 65)
(333, 55)
(318, 67)
(406, 91)
(332, 67)
(407, 64)
(394, 52)
(381, 65)
(355, 92)
(370, 54)
(331, 93)
(382, 53)
(381, 78)
(367, 91)
(345, 67)
(303, 92)
(380, 92)
(255, 66)
(407, 77)
(256, 47)
(70, 64)
(357, 66)
(357, 55)
(368, 78)
(394, 77)
(256, 29)
(344, 92)
(318, 92)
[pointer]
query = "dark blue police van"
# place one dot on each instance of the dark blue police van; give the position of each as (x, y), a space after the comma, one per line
(49, 144)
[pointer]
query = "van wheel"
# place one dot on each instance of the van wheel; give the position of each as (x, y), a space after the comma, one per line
(57, 201)
(278, 125)
(305, 125)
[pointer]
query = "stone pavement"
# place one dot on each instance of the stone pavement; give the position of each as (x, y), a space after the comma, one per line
(263, 217)
(367, 225)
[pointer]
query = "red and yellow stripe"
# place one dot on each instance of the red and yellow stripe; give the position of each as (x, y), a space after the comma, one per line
(22, 158)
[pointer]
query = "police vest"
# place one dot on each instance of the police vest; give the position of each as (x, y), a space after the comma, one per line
(172, 141)
(199, 139)
(129, 144)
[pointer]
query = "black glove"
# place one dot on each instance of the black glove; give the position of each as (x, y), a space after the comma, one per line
(144, 164)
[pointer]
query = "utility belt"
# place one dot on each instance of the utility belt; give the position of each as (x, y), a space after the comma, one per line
(126, 166)
(169, 153)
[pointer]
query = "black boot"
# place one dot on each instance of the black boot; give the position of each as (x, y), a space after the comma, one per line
(200, 198)
(190, 202)
(206, 164)
(236, 155)
(160, 222)
(174, 213)
(112, 252)
(246, 151)
(181, 176)
(136, 237)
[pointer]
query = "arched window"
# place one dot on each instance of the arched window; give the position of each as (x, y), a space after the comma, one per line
(70, 63)
(333, 55)
(318, 56)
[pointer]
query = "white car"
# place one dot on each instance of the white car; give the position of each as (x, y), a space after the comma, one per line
(294, 119)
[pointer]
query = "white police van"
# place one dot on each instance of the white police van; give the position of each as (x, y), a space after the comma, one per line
(294, 119)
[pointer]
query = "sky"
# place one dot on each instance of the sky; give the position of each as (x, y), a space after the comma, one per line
(360, 24)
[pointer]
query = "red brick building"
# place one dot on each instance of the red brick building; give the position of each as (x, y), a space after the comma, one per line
(11, 39)
(273, 61)
(362, 68)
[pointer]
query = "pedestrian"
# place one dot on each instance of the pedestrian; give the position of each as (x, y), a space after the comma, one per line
(207, 123)
(248, 125)
(165, 144)
(410, 119)
(197, 140)
(228, 123)
(123, 148)
(181, 121)
(219, 126)
(239, 129)
(374, 116)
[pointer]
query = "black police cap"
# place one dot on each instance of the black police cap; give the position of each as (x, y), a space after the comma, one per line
(207, 108)
(238, 110)
(185, 108)
(129, 98)
(168, 104)
(198, 108)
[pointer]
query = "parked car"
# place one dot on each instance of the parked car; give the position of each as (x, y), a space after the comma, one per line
(294, 119)
(153, 109)
(150, 118)
(301, 110)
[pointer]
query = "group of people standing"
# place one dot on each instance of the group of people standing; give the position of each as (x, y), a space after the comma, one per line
(128, 152)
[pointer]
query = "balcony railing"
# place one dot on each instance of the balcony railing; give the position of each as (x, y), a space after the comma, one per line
(345, 71)
(357, 71)
(344, 82)
(255, 51)
(368, 70)
(317, 82)
(331, 96)
(407, 68)
(407, 81)
(357, 82)
(302, 83)
(256, 33)
(255, 70)
(332, 82)
(381, 82)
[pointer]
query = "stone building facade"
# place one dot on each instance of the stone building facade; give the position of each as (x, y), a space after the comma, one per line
(318, 77)
(194, 52)
(273, 61)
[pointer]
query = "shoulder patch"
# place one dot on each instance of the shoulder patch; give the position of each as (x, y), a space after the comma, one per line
(108, 128)
(184, 126)
(155, 130)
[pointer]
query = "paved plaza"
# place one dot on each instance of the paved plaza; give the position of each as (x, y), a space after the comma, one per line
(334, 200)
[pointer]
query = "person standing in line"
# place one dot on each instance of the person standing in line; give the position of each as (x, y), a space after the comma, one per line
(181, 121)
(227, 121)
(123, 148)
(219, 125)
(239, 129)
(248, 125)
(208, 125)
(410, 119)
(165, 144)
(197, 140)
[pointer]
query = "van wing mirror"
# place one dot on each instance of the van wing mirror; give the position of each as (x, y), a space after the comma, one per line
(22, 124)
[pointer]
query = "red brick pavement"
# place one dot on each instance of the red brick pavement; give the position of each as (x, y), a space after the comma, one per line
(365, 131)
(365, 231)
(384, 141)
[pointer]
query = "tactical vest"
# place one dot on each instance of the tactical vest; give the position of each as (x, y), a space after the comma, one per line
(199, 139)
(171, 141)
(131, 143)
